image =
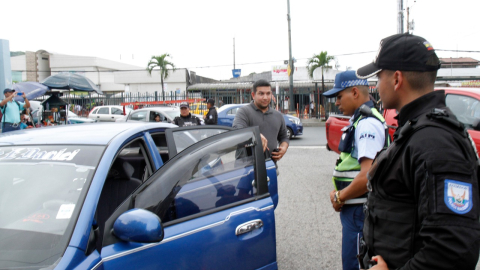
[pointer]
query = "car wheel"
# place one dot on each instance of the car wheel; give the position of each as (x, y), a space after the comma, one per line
(289, 133)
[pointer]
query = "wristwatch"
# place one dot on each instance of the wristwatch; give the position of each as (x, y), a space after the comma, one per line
(336, 197)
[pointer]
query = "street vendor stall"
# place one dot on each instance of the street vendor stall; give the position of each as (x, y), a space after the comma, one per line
(54, 111)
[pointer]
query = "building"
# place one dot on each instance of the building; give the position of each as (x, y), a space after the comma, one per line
(110, 76)
(461, 62)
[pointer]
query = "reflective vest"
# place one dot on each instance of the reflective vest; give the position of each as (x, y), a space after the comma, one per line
(347, 166)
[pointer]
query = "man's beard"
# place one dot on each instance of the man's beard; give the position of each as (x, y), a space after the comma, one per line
(260, 106)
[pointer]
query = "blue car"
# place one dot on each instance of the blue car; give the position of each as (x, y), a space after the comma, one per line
(226, 114)
(136, 196)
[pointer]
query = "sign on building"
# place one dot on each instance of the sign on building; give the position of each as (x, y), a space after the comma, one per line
(280, 73)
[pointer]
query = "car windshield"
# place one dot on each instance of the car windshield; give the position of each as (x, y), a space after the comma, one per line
(172, 114)
(42, 189)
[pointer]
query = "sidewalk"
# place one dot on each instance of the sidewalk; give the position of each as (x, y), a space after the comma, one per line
(313, 122)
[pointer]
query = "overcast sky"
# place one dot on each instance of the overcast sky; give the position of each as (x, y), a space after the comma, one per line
(199, 34)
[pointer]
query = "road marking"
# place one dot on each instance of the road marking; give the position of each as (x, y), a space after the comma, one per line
(307, 147)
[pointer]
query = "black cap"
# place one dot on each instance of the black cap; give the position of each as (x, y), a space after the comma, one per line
(8, 90)
(184, 105)
(404, 52)
(211, 101)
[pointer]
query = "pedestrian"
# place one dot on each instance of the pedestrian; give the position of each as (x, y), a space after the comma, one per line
(11, 110)
(270, 122)
(360, 142)
(220, 102)
(423, 206)
(312, 108)
(211, 118)
(186, 118)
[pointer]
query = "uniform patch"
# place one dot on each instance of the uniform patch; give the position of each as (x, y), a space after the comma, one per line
(367, 135)
(458, 196)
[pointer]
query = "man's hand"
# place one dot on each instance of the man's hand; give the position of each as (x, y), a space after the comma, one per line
(204, 116)
(336, 206)
(276, 156)
(264, 142)
(381, 264)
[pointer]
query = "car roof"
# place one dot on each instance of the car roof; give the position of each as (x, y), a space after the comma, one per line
(87, 134)
(158, 109)
(459, 89)
(228, 106)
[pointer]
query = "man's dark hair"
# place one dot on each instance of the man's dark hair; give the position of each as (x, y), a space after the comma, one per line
(422, 80)
(260, 83)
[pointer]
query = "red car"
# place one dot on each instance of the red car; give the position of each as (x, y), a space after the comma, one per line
(464, 103)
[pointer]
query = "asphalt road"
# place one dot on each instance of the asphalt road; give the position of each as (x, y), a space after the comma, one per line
(308, 229)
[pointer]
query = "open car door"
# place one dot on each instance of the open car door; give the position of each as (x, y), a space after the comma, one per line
(213, 202)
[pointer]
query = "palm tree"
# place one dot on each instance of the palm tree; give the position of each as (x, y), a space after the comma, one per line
(319, 61)
(162, 63)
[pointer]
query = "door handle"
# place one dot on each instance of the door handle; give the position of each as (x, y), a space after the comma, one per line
(248, 226)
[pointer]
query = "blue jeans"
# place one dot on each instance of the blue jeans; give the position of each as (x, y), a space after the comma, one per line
(6, 127)
(352, 218)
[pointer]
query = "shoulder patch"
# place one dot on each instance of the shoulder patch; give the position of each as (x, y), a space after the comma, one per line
(458, 196)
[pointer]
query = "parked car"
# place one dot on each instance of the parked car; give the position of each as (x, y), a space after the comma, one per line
(167, 114)
(107, 113)
(199, 108)
(464, 103)
(227, 113)
(73, 118)
(104, 196)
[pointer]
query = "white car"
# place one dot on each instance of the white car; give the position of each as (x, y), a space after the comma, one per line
(107, 113)
(167, 115)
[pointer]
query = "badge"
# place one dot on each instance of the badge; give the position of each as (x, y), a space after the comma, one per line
(458, 196)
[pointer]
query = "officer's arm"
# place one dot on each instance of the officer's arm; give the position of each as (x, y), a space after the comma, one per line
(448, 230)
(209, 121)
(358, 186)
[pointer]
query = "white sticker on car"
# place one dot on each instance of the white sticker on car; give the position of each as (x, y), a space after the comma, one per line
(65, 211)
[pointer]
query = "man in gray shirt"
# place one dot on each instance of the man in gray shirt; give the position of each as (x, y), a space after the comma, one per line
(270, 122)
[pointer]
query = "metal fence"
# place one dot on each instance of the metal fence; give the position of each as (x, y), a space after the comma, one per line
(308, 101)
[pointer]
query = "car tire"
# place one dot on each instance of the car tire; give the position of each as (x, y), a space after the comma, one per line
(289, 133)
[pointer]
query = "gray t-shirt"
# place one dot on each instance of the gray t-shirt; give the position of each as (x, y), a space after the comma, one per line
(270, 123)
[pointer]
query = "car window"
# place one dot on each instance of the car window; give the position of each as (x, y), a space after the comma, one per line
(42, 189)
(127, 172)
(185, 138)
(232, 111)
(211, 177)
(465, 108)
(161, 143)
(117, 111)
(139, 116)
(103, 110)
(94, 111)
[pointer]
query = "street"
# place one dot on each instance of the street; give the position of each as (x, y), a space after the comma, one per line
(308, 229)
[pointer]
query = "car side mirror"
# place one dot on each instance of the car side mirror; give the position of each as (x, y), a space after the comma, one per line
(138, 225)
(476, 124)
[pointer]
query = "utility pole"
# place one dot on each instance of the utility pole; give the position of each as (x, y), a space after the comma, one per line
(400, 16)
(233, 53)
(290, 77)
(408, 20)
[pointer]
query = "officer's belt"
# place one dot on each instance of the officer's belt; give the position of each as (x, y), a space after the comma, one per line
(345, 174)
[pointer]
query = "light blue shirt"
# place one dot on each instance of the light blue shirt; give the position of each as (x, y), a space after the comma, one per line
(369, 138)
(12, 113)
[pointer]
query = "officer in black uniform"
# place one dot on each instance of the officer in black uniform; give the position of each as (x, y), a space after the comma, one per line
(211, 117)
(423, 207)
(186, 118)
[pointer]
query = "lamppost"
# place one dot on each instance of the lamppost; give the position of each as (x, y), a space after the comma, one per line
(290, 63)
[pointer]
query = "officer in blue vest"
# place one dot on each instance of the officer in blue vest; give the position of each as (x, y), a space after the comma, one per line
(361, 141)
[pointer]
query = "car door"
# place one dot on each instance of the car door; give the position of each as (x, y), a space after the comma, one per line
(228, 118)
(213, 202)
(102, 114)
(115, 113)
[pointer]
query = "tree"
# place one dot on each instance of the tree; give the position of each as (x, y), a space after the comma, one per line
(162, 64)
(319, 61)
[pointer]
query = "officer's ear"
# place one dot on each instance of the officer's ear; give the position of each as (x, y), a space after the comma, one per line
(355, 92)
